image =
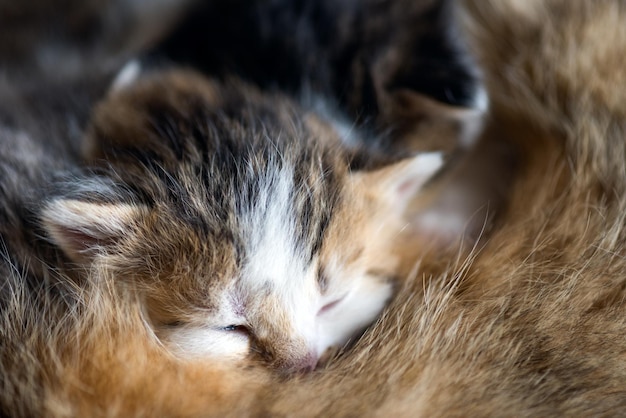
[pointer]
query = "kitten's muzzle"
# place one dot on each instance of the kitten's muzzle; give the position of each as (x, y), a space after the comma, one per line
(304, 364)
(289, 360)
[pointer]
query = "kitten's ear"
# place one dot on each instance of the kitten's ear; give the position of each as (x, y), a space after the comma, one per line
(429, 120)
(127, 76)
(83, 229)
(398, 183)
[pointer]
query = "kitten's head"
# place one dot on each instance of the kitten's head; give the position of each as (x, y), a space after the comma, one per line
(239, 219)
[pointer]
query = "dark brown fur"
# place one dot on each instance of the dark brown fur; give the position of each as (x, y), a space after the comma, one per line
(358, 55)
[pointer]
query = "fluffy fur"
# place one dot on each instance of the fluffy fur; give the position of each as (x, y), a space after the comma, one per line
(217, 225)
(531, 323)
(247, 198)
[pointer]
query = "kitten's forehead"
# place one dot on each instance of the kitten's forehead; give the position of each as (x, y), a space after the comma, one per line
(274, 249)
(236, 165)
(278, 177)
(291, 202)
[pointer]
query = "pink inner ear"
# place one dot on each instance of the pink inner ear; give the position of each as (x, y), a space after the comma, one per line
(78, 242)
(81, 229)
(406, 187)
(410, 176)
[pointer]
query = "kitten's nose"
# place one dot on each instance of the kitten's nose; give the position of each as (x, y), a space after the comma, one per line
(287, 356)
(302, 364)
(306, 364)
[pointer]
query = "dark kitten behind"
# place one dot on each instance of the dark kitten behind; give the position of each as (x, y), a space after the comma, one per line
(357, 54)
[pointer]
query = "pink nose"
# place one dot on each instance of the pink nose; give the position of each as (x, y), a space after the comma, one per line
(302, 364)
(309, 362)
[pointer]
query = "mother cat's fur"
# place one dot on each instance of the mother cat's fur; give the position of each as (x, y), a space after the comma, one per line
(533, 325)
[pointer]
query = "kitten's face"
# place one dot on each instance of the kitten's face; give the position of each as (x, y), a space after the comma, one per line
(263, 295)
(247, 236)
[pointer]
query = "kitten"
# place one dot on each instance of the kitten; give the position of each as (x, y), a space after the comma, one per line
(219, 226)
(251, 218)
(532, 324)
(359, 55)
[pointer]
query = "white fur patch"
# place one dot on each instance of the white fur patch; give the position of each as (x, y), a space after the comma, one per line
(426, 164)
(205, 342)
(366, 298)
(271, 251)
(345, 128)
(473, 119)
(481, 100)
(347, 132)
(274, 262)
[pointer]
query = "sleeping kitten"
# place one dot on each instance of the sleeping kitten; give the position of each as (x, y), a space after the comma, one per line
(246, 228)
(219, 228)
(533, 324)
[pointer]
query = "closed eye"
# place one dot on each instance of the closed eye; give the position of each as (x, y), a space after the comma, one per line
(331, 305)
(242, 329)
(174, 324)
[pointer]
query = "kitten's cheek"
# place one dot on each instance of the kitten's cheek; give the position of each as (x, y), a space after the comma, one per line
(205, 342)
(353, 313)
